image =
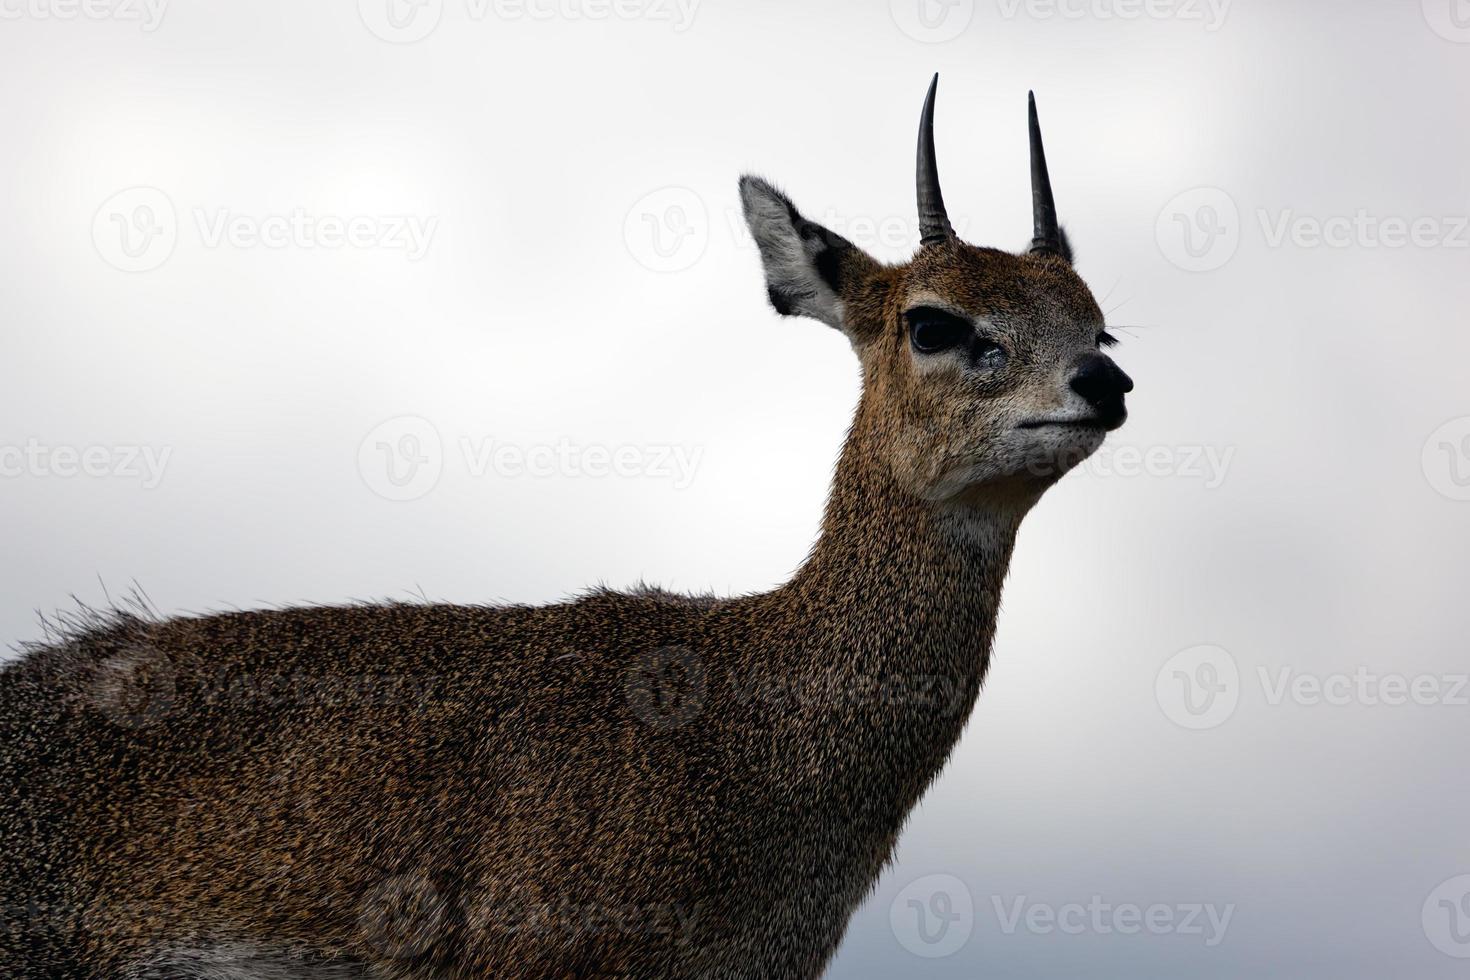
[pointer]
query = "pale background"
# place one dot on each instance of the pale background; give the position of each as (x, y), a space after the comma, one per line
(542, 153)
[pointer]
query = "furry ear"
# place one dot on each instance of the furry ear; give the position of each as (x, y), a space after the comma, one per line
(808, 268)
(1062, 249)
(1066, 252)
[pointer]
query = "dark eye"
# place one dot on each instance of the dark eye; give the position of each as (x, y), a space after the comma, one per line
(1106, 339)
(933, 336)
(932, 331)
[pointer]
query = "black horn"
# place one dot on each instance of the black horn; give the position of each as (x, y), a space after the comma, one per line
(1047, 236)
(934, 223)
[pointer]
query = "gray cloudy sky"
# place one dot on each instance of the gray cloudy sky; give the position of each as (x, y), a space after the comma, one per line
(311, 303)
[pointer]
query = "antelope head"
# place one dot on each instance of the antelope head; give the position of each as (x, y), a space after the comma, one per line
(983, 370)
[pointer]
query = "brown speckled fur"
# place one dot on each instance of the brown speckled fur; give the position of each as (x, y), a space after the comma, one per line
(625, 785)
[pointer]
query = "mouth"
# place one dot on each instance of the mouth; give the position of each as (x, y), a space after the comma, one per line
(1091, 423)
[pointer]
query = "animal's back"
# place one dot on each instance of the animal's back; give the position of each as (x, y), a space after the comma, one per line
(274, 782)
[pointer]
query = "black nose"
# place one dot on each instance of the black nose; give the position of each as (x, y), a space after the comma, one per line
(1103, 384)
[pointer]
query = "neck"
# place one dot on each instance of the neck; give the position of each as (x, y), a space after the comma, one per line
(881, 640)
(886, 629)
(904, 582)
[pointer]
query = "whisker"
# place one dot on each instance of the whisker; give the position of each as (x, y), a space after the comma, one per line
(1110, 291)
(1127, 329)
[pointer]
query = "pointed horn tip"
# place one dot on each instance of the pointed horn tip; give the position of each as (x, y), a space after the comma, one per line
(933, 221)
